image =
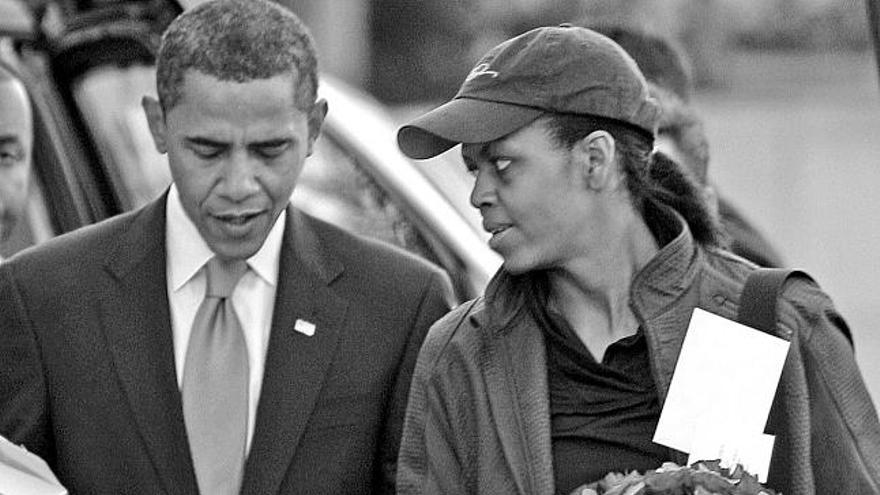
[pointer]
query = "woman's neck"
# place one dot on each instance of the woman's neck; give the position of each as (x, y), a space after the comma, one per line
(592, 293)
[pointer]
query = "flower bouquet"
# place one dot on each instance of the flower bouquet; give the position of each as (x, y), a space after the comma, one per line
(700, 478)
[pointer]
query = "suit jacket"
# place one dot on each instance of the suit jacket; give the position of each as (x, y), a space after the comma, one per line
(87, 376)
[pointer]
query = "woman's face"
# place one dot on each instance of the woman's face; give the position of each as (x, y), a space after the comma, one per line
(533, 198)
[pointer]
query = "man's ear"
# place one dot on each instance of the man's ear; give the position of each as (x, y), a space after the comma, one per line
(596, 155)
(316, 120)
(156, 120)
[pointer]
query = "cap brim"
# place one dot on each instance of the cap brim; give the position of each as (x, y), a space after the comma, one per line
(462, 120)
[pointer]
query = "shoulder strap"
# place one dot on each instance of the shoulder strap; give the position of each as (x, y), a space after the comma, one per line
(757, 303)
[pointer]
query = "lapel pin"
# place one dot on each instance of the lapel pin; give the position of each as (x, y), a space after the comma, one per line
(304, 327)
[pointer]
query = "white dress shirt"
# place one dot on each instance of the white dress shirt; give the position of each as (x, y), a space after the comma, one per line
(253, 297)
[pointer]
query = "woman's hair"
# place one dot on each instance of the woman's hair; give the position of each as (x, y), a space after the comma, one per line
(652, 178)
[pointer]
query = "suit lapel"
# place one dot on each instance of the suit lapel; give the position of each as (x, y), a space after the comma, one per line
(137, 324)
(295, 363)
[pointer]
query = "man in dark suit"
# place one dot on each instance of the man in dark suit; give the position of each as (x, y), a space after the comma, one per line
(106, 369)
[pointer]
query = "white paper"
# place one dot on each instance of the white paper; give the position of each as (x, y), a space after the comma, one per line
(724, 381)
(24, 473)
(17, 482)
(750, 450)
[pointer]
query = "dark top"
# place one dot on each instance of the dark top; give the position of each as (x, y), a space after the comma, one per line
(603, 415)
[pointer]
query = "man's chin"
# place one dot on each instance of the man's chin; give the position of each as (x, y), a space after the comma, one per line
(236, 249)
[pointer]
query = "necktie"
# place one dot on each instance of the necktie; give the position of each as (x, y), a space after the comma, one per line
(215, 384)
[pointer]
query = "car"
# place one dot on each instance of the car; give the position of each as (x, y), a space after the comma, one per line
(86, 72)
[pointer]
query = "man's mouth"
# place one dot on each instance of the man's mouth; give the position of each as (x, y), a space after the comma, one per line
(238, 218)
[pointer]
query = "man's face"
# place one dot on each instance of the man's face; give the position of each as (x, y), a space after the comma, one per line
(236, 151)
(532, 199)
(16, 137)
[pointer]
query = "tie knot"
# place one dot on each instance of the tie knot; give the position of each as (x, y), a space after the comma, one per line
(223, 275)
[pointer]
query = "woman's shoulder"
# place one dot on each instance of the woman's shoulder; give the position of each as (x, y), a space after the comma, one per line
(802, 307)
(456, 336)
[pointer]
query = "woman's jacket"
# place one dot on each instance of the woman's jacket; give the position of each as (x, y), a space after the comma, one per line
(478, 418)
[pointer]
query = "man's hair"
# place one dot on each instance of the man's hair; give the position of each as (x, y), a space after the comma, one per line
(661, 60)
(237, 40)
(679, 121)
(670, 80)
(652, 179)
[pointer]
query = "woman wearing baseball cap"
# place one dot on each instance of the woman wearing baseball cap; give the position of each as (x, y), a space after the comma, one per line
(558, 373)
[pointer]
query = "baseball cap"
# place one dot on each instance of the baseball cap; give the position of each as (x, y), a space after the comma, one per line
(564, 69)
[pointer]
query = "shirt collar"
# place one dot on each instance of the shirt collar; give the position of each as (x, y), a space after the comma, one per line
(187, 252)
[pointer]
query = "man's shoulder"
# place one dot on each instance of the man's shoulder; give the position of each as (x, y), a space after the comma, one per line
(365, 253)
(79, 246)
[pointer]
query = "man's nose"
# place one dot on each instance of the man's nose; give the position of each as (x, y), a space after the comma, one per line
(240, 176)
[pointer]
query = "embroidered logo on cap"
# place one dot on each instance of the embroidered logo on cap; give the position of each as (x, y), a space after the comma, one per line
(481, 70)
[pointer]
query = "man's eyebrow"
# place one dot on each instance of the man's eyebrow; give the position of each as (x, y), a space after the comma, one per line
(203, 141)
(271, 142)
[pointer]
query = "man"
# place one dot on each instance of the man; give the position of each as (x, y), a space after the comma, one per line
(16, 136)
(132, 361)
(681, 134)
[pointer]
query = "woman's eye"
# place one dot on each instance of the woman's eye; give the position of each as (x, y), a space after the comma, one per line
(501, 163)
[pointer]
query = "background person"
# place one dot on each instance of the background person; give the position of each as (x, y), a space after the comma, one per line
(133, 361)
(16, 138)
(556, 376)
(681, 134)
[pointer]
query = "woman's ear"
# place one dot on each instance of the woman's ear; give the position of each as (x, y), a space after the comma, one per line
(596, 154)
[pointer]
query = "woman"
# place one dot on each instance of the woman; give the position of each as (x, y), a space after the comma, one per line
(557, 375)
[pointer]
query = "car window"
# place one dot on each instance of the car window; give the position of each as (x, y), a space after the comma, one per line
(109, 99)
(335, 188)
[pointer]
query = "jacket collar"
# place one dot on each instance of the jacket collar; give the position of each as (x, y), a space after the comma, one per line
(654, 288)
(295, 363)
(671, 272)
(136, 322)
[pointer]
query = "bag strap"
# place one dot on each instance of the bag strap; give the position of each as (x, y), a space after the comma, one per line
(757, 305)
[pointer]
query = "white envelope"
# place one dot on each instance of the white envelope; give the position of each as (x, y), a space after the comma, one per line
(722, 389)
(24, 473)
